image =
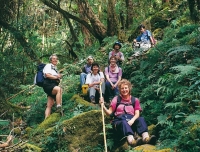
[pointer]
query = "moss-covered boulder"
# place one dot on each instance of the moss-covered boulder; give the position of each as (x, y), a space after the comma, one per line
(84, 130)
(47, 123)
(150, 148)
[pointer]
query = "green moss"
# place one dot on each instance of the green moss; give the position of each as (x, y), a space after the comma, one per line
(47, 123)
(78, 100)
(82, 129)
(31, 147)
(193, 131)
(150, 148)
(17, 131)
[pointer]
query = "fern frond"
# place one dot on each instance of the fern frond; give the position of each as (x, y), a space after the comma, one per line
(178, 49)
(4, 122)
(184, 70)
(162, 120)
(173, 105)
(194, 118)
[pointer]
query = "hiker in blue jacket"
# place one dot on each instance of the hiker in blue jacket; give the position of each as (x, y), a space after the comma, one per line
(145, 40)
(86, 69)
(50, 85)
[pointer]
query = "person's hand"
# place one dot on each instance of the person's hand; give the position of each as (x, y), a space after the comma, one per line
(117, 57)
(101, 100)
(130, 122)
(97, 88)
(91, 85)
(114, 86)
(59, 76)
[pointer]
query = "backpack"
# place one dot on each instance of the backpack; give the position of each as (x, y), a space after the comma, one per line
(112, 115)
(154, 40)
(39, 78)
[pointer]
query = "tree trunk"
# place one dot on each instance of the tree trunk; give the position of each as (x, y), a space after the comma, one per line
(86, 33)
(112, 21)
(129, 18)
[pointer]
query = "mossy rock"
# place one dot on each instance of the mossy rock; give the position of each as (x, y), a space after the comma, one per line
(150, 148)
(78, 100)
(47, 123)
(84, 130)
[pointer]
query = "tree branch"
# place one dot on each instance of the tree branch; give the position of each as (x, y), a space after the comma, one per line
(21, 39)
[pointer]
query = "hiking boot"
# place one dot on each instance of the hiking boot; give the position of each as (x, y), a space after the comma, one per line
(137, 142)
(150, 140)
(92, 99)
(59, 110)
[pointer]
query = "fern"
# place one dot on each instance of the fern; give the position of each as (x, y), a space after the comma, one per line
(194, 118)
(162, 120)
(179, 49)
(173, 105)
(4, 122)
(184, 70)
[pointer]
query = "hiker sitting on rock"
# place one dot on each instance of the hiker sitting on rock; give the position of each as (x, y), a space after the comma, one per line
(113, 75)
(127, 121)
(145, 40)
(94, 79)
(116, 52)
(86, 69)
(50, 85)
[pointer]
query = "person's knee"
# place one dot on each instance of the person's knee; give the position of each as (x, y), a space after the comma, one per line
(83, 75)
(57, 89)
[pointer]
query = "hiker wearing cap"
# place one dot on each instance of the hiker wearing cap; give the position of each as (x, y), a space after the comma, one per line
(127, 120)
(50, 85)
(116, 52)
(93, 80)
(113, 74)
(86, 69)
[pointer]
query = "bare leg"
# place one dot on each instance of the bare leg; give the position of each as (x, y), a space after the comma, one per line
(58, 92)
(50, 102)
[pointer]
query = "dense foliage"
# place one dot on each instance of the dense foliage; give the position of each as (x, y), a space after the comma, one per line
(166, 79)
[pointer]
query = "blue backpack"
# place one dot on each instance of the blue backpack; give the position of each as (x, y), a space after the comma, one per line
(40, 76)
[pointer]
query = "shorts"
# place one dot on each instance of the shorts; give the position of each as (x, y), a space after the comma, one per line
(48, 86)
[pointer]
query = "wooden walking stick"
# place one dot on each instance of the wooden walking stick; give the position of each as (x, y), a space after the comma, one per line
(104, 130)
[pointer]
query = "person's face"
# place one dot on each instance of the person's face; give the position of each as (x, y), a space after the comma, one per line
(54, 60)
(112, 61)
(142, 30)
(116, 47)
(90, 61)
(95, 69)
(124, 90)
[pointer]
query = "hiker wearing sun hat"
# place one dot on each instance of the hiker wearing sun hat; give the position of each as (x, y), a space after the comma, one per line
(117, 53)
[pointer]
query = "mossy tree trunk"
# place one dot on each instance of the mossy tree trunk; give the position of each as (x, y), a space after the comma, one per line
(112, 21)
(86, 33)
(129, 18)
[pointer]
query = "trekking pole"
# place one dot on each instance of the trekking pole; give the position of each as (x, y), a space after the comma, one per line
(104, 130)
(61, 88)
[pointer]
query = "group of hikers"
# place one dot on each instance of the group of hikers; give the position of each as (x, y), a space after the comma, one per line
(92, 75)
(123, 106)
